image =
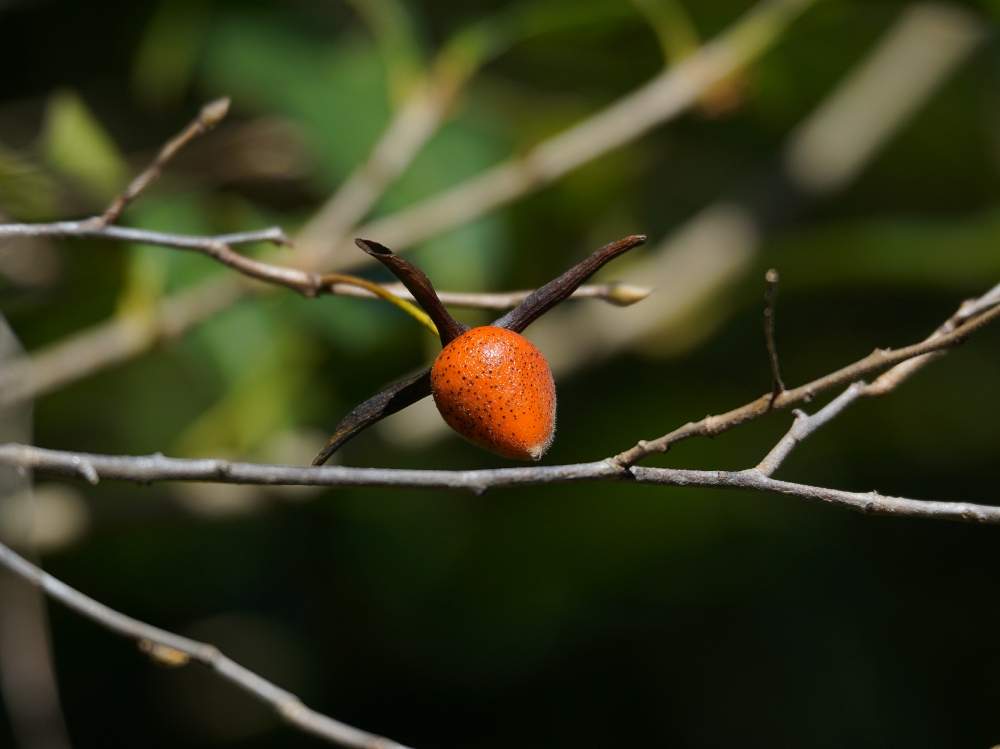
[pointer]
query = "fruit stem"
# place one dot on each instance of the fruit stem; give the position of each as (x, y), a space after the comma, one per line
(418, 284)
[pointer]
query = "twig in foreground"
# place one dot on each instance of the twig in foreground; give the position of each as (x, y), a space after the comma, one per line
(770, 297)
(977, 314)
(149, 468)
(172, 648)
(804, 425)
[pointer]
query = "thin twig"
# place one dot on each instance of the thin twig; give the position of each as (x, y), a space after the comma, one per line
(878, 361)
(209, 116)
(770, 297)
(149, 468)
(175, 649)
(220, 248)
(618, 294)
(804, 425)
(89, 228)
(970, 309)
(122, 337)
(971, 316)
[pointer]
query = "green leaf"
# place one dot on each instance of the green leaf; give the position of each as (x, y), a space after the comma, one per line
(335, 90)
(394, 29)
(75, 144)
(27, 193)
(941, 253)
(168, 52)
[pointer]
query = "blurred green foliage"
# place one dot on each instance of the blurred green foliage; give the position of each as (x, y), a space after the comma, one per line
(593, 615)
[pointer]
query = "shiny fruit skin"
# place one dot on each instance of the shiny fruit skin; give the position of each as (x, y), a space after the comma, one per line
(494, 387)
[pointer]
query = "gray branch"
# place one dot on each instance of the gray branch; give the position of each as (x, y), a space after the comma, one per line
(176, 650)
(92, 228)
(219, 247)
(149, 468)
(804, 425)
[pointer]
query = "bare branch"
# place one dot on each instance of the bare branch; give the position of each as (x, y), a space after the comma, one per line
(562, 287)
(148, 468)
(971, 316)
(804, 425)
(89, 228)
(770, 297)
(209, 116)
(169, 647)
(970, 309)
(618, 294)
(877, 361)
(219, 247)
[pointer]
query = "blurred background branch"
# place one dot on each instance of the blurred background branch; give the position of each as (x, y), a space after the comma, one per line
(630, 117)
(174, 650)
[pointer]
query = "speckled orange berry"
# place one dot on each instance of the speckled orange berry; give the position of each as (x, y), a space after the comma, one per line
(494, 388)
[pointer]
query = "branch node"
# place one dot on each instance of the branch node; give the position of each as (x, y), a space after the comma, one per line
(86, 470)
(292, 710)
(164, 654)
(623, 294)
(214, 112)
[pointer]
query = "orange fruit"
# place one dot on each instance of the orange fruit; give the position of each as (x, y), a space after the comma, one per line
(494, 387)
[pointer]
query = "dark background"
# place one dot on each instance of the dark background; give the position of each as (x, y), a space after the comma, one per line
(573, 615)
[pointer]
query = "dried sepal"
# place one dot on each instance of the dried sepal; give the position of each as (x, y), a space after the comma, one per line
(389, 400)
(548, 296)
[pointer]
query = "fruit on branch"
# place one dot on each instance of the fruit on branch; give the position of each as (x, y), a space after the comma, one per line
(490, 384)
(493, 387)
